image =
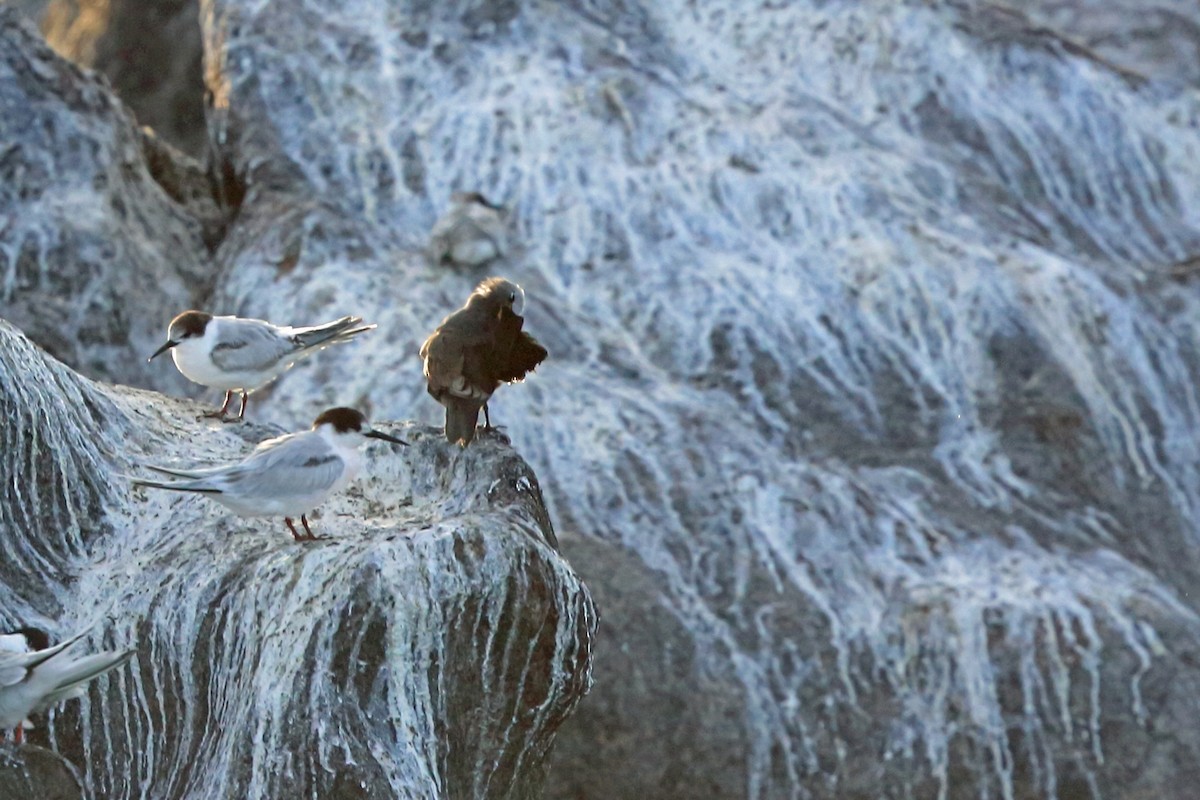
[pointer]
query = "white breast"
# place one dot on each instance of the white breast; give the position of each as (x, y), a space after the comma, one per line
(193, 358)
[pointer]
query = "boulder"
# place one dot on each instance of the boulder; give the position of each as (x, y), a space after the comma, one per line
(32, 771)
(429, 646)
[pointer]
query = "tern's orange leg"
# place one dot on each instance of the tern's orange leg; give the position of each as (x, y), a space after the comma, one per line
(220, 412)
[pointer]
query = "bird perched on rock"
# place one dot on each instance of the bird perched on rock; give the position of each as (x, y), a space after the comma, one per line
(239, 354)
(470, 234)
(474, 350)
(286, 476)
(35, 676)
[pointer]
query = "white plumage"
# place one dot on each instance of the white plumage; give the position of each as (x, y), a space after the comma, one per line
(32, 680)
(286, 476)
(237, 354)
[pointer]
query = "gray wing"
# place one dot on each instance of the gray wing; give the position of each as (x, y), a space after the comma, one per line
(250, 344)
(298, 463)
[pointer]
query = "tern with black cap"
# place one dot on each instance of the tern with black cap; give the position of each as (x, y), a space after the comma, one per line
(238, 354)
(287, 476)
(35, 676)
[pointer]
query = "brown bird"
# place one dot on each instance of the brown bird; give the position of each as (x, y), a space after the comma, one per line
(474, 350)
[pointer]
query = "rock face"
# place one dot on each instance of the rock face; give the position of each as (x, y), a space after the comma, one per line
(95, 256)
(870, 413)
(36, 772)
(1160, 39)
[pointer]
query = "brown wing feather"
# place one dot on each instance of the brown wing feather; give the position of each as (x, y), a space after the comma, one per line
(442, 355)
(444, 351)
(477, 368)
(516, 352)
(524, 356)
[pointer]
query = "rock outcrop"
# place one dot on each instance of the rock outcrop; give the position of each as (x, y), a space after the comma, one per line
(150, 52)
(34, 771)
(429, 646)
(870, 413)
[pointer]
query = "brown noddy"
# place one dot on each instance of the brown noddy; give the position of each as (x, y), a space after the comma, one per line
(474, 350)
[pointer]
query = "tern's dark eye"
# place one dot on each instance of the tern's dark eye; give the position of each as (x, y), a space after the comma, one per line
(512, 297)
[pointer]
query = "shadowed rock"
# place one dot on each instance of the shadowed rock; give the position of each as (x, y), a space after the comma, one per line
(95, 257)
(149, 51)
(31, 771)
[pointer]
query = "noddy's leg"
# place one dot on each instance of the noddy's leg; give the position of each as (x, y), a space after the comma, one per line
(292, 528)
(242, 409)
(488, 427)
(304, 521)
(220, 412)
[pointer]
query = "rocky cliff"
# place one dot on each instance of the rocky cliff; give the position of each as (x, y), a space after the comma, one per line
(870, 414)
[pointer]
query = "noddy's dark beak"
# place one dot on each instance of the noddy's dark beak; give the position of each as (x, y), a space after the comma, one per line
(385, 437)
(167, 346)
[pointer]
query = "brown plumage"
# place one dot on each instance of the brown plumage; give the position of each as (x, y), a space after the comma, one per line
(474, 350)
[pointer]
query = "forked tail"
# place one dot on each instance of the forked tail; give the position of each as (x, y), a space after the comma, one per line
(341, 330)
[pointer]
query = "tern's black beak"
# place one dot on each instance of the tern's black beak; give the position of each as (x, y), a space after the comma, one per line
(385, 437)
(167, 346)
